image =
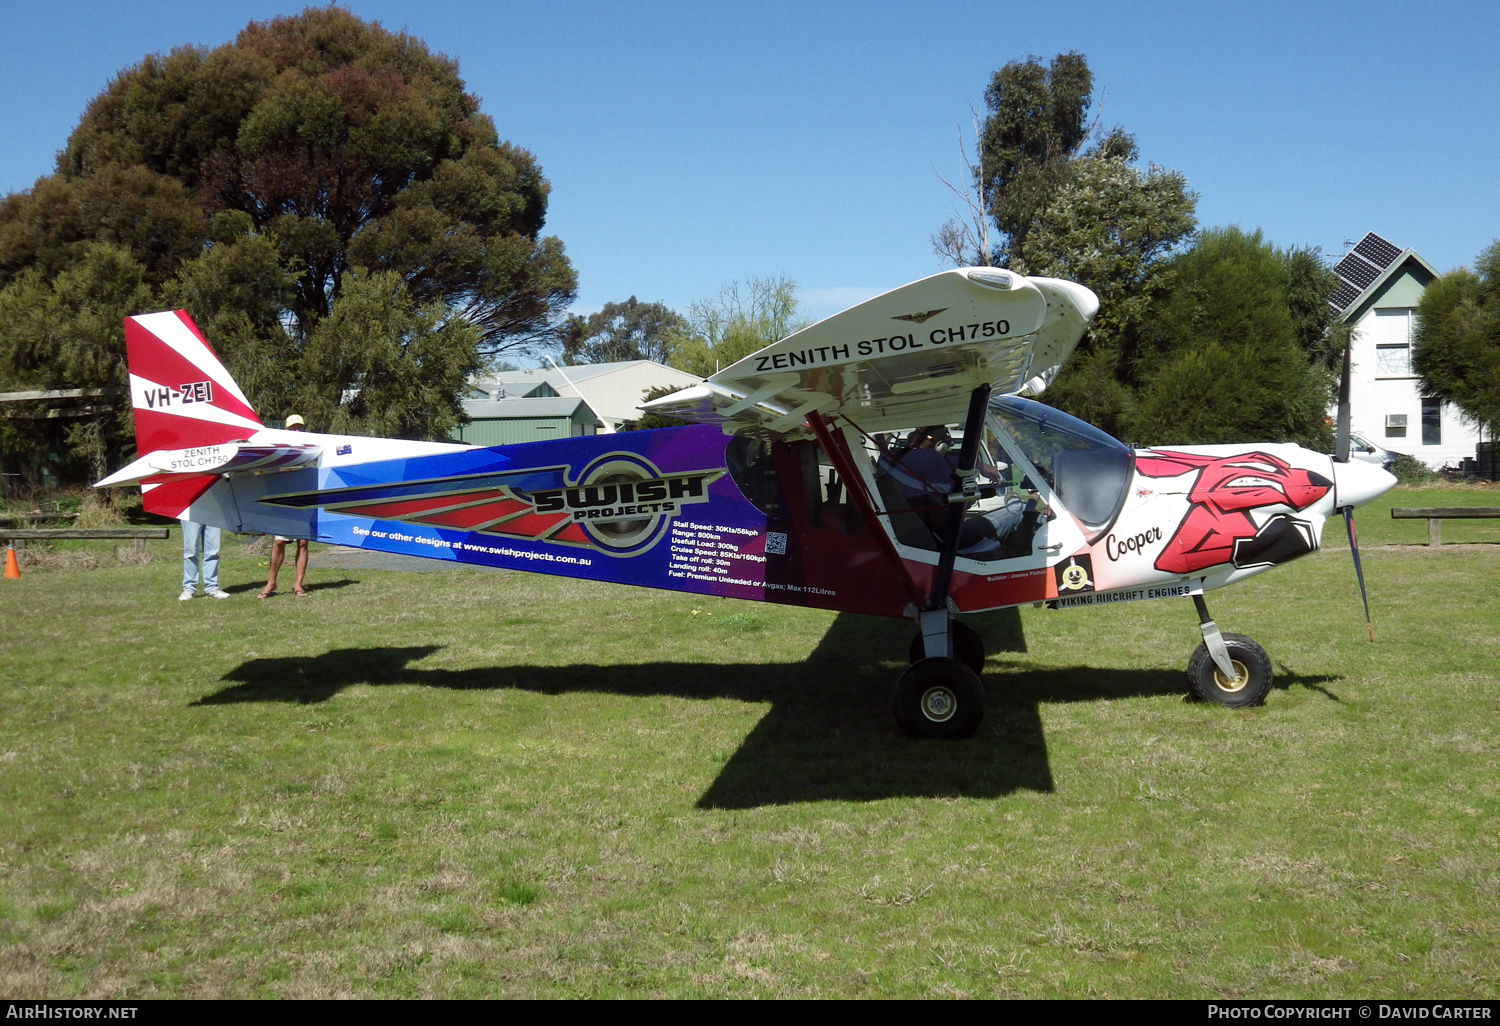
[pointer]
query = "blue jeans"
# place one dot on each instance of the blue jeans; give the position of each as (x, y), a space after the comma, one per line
(194, 536)
(1007, 516)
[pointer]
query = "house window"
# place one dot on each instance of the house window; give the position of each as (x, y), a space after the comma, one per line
(1393, 361)
(1432, 422)
(1392, 330)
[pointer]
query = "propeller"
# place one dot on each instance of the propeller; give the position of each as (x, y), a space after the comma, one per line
(1358, 572)
(1341, 455)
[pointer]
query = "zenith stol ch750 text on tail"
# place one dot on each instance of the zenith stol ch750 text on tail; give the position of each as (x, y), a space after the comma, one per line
(816, 472)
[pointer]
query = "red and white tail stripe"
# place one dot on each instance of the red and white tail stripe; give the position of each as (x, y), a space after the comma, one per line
(181, 394)
(182, 397)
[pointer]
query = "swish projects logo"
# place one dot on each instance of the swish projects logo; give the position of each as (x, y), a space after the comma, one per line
(623, 502)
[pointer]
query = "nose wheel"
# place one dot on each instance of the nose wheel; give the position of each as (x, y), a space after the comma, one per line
(1250, 683)
(1228, 669)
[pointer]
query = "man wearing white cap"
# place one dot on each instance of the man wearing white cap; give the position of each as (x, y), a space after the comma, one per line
(278, 545)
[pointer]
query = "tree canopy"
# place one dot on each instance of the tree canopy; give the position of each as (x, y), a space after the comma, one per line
(1225, 354)
(1038, 119)
(743, 317)
(1457, 350)
(1200, 337)
(1110, 226)
(1087, 213)
(322, 195)
(631, 330)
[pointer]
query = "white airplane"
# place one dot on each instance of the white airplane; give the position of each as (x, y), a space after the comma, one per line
(818, 472)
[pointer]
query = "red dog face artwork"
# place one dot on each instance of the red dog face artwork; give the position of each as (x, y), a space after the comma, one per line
(1218, 527)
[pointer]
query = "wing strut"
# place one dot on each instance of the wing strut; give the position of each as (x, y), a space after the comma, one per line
(857, 491)
(934, 621)
(960, 499)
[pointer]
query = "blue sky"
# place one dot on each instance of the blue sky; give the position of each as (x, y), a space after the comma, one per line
(690, 144)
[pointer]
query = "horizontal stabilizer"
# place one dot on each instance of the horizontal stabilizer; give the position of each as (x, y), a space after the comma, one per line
(227, 458)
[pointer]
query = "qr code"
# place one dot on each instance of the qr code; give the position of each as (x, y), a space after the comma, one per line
(775, 543)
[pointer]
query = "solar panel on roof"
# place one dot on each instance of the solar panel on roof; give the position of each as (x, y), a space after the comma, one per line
(1377, 250)
(1357, 271)
(1341, 299)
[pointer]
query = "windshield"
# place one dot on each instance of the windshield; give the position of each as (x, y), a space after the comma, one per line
(1087, 469)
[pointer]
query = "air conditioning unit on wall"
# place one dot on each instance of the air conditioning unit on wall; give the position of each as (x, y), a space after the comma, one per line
(1395, 420)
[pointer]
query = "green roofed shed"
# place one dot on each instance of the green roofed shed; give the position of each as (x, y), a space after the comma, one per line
(509, 421)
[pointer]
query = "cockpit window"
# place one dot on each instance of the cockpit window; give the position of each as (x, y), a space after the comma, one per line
(1086, 468)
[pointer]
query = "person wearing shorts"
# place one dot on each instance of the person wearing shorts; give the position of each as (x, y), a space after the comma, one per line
(278, 543)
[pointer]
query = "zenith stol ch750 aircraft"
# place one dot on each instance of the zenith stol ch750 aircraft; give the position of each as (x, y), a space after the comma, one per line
(813, 473)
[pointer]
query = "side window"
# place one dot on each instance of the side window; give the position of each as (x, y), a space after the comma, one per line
(1002, 527)
(1087, 470)
(1432, 422)
(914, 484)
(753, 469)
(829, 506)
(909, 496)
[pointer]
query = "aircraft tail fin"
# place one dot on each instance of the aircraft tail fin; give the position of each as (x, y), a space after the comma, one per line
(182, 398)
(181, 395)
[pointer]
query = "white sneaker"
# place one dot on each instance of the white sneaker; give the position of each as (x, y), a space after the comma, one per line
(187, 593)
(218, 593)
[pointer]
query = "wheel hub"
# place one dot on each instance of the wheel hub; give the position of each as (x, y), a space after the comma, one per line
(939, 704)
(1241, 678)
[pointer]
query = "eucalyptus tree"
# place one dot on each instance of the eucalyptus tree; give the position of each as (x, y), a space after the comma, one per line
(315, 163)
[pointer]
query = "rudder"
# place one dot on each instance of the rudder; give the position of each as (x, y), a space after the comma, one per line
(181, 395)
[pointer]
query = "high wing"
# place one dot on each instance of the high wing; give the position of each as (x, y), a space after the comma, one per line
(909, 356)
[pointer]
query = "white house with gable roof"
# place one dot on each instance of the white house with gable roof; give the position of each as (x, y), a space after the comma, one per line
(613, 391)
(1382, 285)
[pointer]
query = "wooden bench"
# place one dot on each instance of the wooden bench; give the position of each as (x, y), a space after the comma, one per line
(1437, 514)
(139, 535)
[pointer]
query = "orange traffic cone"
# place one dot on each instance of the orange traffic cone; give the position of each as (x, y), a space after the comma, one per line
(12, 569)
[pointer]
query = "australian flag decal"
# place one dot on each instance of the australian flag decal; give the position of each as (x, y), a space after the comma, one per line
(343, 450)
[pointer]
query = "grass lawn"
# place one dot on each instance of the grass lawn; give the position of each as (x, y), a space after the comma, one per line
(466, 783)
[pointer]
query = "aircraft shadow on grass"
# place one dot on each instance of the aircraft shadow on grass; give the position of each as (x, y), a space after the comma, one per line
(828, 734)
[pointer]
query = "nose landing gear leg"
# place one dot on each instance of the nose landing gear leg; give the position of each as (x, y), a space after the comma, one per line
(1229, 669)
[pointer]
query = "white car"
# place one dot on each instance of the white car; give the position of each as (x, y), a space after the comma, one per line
(1361, 448)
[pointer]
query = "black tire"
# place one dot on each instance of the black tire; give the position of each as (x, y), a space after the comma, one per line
(968, 647)
(1208, 684)
(939, 698)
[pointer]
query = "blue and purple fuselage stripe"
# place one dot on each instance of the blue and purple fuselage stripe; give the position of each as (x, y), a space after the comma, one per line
(652, 508)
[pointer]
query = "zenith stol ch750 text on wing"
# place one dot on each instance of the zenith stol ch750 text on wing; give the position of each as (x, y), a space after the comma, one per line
(816, 472)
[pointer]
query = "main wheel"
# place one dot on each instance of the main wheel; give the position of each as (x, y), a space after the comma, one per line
(968, 647)
(1251, 665)
(939, 698)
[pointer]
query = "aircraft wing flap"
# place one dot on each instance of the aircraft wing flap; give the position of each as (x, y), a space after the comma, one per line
(909, 356)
